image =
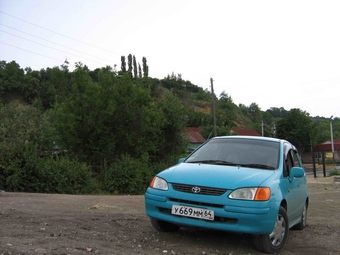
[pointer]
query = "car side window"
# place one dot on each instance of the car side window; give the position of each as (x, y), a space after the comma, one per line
(289, 164)
(296, 159)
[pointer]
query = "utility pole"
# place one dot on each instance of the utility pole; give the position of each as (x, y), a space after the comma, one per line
(213, 106)
(332, 141)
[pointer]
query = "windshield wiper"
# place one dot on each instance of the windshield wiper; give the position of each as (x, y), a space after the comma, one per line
(214, 162)
(262, 166)
(228, 163)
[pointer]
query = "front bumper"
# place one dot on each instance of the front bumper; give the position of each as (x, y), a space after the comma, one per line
(241, 216)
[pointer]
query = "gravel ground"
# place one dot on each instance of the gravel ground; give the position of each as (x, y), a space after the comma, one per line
(69, 224)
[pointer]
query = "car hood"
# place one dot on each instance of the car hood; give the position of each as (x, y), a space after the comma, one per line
(218, 176)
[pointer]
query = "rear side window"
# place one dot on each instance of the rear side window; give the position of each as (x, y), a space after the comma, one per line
(292, 159)
(288, 164)
(288, 159)
(296, 159)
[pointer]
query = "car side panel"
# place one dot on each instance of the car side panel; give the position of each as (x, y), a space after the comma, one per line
(295, 194)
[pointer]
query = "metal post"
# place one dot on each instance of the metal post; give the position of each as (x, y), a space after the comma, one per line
(323, 164)
(314, 167)
(213, 106)
(332, 141)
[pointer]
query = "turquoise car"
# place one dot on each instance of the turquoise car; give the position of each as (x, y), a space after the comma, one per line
(244, 184)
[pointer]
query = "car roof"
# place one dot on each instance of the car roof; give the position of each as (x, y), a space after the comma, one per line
(262, 138)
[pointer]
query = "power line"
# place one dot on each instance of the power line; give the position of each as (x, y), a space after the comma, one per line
(61, 61)
(49, 41)
(52, 48)
(57, 33)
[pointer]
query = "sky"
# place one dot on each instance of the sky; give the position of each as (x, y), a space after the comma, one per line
(272, 53)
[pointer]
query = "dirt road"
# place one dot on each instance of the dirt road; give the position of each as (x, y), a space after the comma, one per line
(65, 224)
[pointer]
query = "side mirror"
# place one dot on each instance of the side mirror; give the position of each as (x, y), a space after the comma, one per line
(180, 160)
(296, 172)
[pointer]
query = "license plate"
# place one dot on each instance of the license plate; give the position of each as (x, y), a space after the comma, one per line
(193, 212)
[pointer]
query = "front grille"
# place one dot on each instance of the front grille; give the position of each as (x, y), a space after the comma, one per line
(203, 190)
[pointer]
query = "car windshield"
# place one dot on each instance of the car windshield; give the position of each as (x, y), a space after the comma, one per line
(245, 152)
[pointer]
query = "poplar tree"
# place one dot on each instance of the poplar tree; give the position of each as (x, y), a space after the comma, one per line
(130, 64)
(134, 67)
(145, 68)
(123, 67)
(139, 71)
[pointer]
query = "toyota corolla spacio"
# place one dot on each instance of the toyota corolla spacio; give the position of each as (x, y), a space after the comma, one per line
(243, 184)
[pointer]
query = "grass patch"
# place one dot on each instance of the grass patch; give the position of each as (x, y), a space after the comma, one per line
(334, 172)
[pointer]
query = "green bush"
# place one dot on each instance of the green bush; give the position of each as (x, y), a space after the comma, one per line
(22, 170)
(62, 175)
(334, 172)
(127, 176)
(18, 167)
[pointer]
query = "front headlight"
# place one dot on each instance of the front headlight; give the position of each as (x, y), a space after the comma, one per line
(258, 194)
(159, 183)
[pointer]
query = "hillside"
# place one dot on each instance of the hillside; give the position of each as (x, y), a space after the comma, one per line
(53, 84)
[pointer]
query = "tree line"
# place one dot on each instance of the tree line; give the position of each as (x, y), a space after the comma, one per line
(96, 125)
(109, 131)
(132, 67)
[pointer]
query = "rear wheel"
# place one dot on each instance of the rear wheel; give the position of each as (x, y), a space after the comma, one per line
(274, 242)
(303, 221)
(163, 225)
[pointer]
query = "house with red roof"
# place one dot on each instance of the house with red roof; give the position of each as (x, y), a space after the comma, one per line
(242, 131)
(326, 147)
(194, 137)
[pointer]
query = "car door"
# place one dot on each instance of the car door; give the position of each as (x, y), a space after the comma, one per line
(302, 184)
(292, 186)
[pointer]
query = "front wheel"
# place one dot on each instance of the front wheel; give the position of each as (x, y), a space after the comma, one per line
(163, 225)
(274, 242)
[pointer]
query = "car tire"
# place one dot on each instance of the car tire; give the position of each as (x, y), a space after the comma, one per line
(274, 242)
(303, 221)
(163, 225)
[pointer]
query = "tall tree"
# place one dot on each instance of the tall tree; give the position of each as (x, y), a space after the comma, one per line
(145, 68)
(139, 71)
(130, 64)
(123, 65)
(134, 67)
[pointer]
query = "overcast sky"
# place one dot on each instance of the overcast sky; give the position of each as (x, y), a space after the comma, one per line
(273, 53)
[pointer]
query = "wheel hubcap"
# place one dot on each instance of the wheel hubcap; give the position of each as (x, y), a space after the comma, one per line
(278, 234)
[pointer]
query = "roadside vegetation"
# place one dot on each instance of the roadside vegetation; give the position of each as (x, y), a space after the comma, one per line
(108, 131)
(335, 172)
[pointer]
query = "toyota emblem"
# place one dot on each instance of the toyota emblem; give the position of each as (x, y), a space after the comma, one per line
(196, 189)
